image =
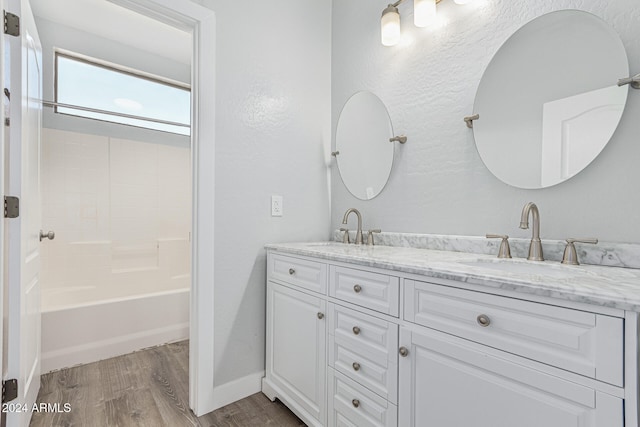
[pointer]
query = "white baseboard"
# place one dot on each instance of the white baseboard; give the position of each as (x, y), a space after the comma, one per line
(238, 389)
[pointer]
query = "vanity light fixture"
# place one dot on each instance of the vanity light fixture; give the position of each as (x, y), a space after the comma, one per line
(424, 14)
(390, 24)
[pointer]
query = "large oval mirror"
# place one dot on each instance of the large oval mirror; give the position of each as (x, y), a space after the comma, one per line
(364, 153)
(548, 102)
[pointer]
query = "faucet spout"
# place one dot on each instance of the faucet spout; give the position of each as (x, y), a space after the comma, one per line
(535, 247)
(359, 231)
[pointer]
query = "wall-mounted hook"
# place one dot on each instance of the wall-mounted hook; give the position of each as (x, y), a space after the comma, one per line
(401, 139)
(335, 153)
(634, 81)
(469, 120)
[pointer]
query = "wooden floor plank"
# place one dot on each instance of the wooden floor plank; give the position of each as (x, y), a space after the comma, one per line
(146, 388)
(165, 388)
(134, 408)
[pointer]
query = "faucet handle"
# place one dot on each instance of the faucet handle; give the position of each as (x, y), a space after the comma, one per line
(345, 237)
(505, 250)
(570, 255)
(370, 236)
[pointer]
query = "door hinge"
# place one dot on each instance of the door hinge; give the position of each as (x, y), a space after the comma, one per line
(11, 207)
(9, 390)
(11, 24)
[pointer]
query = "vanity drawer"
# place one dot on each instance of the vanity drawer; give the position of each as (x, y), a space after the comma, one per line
(586, 343)
(369, 333)
(352, 405)
(306, 274)
(365, 349)
(375, 291)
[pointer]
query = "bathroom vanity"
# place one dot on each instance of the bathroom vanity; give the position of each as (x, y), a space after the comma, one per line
(393, 336)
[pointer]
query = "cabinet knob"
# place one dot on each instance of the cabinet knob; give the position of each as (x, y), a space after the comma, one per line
(357, 289)
(320, 315)
(403, 351)
(483, 320)
(355, 403)
(356, 366)
(356, 330)
(291, 271)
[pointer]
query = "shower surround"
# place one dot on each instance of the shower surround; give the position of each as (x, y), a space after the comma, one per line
(116, 278)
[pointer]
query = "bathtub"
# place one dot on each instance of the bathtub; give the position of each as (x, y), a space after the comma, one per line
(94, 331)
(114, 312)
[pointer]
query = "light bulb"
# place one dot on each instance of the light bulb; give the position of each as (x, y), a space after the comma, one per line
(390, 26)
(424, 12)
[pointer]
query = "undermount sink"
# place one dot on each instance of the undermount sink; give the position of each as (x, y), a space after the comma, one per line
(524, 267)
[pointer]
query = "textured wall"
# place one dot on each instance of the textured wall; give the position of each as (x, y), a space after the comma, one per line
(439, 183)
(272, 137)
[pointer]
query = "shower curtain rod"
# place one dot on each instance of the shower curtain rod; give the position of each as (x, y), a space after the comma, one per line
(112, 113)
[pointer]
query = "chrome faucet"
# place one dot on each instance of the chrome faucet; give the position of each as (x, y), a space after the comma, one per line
(535, 248)
(359, 232)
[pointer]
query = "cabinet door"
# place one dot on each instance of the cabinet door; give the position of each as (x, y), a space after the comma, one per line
(449, 382)
(296, 348)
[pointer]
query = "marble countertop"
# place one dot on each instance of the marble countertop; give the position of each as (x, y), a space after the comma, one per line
(613, 287)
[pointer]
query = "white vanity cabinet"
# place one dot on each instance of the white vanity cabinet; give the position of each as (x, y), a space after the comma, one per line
(363, 348)
(297, 339)
(448, 381)
(350, 345)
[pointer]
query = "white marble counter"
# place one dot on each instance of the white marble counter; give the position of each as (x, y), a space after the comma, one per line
(605, 286)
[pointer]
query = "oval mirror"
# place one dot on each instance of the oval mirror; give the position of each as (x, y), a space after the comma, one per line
(548, 101)
(365, 155)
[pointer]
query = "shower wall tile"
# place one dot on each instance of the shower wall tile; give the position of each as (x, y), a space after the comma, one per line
(116, 205)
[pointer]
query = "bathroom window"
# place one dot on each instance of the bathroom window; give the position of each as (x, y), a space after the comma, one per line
(107, 92)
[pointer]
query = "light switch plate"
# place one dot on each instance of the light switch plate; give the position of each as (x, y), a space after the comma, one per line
(276, 206)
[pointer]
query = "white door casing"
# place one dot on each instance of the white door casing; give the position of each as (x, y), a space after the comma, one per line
(23, 317)
(3, 171)
(201, 22)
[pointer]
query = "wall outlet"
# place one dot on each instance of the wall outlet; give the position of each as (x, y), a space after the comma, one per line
(276, 206)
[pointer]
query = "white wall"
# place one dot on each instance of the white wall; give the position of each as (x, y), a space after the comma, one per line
(439, 183)
(272, 137)
(121, 213)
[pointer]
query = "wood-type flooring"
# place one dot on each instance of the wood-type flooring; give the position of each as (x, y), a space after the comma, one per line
(148, 388)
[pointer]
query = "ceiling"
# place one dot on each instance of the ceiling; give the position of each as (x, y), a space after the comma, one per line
(105, 19)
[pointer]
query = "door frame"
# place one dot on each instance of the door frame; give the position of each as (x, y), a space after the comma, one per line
(3, 254)
(201, 23)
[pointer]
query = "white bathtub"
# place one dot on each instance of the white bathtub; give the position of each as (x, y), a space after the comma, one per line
(90, 331)
(101, 299)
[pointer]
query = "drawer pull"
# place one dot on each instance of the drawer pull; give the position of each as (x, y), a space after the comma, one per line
(356, 366)
(356, 330)
(320, 315)
(403, 351)
(357, 289)
(291, 271)
(483, 320)
(355, 403)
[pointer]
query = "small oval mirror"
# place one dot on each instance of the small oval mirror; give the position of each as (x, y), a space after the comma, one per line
(549, 101)
(365, 155)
